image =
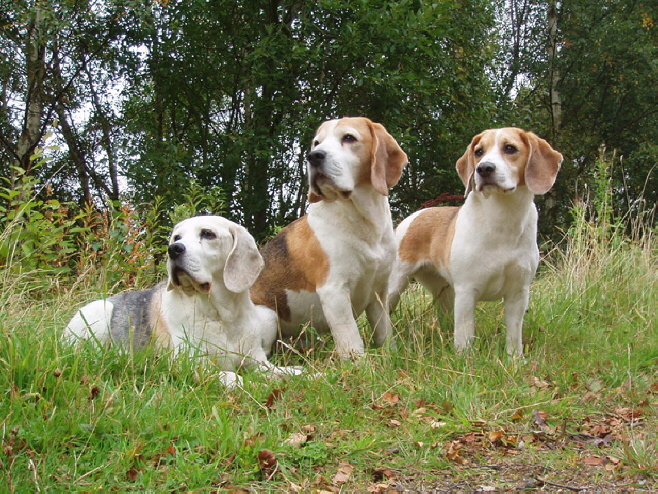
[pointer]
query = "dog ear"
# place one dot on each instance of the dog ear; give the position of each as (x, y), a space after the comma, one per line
(465, 165)
(388, 159)
(313, 197)
(543, 165)
(244, 263)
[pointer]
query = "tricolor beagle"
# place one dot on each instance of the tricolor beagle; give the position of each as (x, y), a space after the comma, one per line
(486, 249)
(204, 303)
(329, 266)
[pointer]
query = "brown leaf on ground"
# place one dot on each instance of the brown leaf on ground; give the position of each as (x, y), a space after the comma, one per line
(272, 398)
(593, 461)
(389, 397)
(296, 439)
(251, 441)
(132, 474)
(539, 418)
(453, 453)
(343, 473)
(540, 383)
(267, 461)
(628, 414)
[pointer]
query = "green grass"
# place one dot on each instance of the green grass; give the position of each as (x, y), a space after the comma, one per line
(417, 418)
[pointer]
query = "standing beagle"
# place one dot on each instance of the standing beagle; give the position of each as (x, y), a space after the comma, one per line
(486, 249)
(329, 266)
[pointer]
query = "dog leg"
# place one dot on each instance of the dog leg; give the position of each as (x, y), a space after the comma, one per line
(398, 283)
(377, 314)
(515, 308)
(337, 308)
(464, 319)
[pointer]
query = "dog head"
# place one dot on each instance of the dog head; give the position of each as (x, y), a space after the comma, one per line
(500, 160)
(352, 152)
(204, 250)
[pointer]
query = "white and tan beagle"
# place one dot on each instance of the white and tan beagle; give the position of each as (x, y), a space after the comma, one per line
(329, 266)
(204, 304)
(487, 248)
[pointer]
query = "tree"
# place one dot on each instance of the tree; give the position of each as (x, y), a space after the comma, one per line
(242, 115)
(586, 81)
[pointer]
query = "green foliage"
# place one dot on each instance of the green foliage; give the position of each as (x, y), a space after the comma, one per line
(34, 231)
(419, 417)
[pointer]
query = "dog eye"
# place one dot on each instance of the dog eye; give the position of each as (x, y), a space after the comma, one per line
(479, 152)
(176, 238)
(349, 138)
(509, 149)
(316, 143)
(208, 235)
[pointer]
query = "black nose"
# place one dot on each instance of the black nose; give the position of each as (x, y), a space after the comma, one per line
(485, 169)
(316, 158)
(176, 250)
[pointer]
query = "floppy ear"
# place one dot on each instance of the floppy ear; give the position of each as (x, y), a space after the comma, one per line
(388, 159)
(244, 263)
(465, 165)
(170, 284)
(313, 197)
(543, 164)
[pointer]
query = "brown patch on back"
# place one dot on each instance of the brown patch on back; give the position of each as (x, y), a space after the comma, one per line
(295, 261)
(429, 237)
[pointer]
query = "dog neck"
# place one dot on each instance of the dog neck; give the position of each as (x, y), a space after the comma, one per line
(221, 305)
(514, 210)
(366, 209)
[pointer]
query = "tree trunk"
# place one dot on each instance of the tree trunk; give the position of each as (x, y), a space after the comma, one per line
(35, 51)
(555, 98)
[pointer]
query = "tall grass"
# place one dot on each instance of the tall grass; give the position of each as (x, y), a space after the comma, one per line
(418, 418)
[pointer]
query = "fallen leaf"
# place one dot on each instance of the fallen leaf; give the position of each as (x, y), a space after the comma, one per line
(383, 473)
(539, 383)
(496, 436)
(272, 397)
(343, 473)
(308, 428)
(594, 385)
(453, 453)
(593, 461)
(94, 392)
(296, 439)
(251, 441)
(394, 423)
(628, 414)
(132, 474)
(266, 461)
(389, 397)
(539, 418)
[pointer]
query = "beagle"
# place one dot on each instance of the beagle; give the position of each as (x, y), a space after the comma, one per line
(329, 266)
(487, 248)
(205, 303)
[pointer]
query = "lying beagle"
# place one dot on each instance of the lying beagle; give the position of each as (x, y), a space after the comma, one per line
(329, 266)
(486, 249)
(204, 303)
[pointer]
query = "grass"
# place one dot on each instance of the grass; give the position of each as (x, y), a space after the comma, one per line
(579, 411)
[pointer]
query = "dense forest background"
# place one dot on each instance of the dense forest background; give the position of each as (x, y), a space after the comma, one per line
(133, 101)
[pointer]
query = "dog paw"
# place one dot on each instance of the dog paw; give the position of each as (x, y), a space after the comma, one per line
(230, 379)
